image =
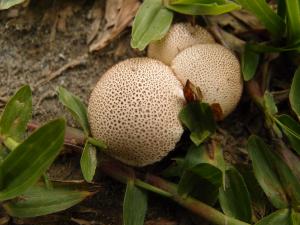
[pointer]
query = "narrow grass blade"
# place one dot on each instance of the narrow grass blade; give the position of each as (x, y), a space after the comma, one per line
(135, 205)
(26, 164)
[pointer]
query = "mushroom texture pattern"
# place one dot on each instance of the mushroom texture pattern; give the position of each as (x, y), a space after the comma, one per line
(134, 108)
(179, 37)
(215, 70)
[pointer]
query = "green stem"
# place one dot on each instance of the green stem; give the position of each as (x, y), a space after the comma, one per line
(10, 143)
(96, 143)
(205, 211)
(152, 188)
(158, 185)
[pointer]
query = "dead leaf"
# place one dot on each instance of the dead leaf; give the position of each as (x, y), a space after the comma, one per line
(112, 9)
(96, 15)
(227, 39)
(192, 92)
(248, 18)
(217, 111)
(229, 22)
(123, 19)
(4, 220)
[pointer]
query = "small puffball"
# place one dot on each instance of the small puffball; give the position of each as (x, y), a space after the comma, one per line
(215, 70)
(179, 37)
(134, 109)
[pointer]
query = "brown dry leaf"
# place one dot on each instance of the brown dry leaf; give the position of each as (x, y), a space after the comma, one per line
(248, 18)
(58, 15)
(4, 220)
(229, 22)
(123, 19)
(192, 92)
(232, 42)
(227, 39)
(217, 111)
(112, 9)
(96, 14)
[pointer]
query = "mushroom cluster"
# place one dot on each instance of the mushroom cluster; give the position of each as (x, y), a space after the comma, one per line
(134, 106)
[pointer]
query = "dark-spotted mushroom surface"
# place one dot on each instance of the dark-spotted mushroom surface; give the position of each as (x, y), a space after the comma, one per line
(134, 109)
(179, 37)
(214, 69)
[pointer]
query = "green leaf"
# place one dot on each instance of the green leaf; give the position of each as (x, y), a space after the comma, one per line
(295, 217)
(291, 128)
(198, 118)
(288, 180)
(16, 115)
(194, 185)
(96, 142)
(281, 8)
(266, 15)
(295, 93)
(175, 169)
(250, 60)
(259, 200)
(269, 103)
(233, 194)
(25, 165)
(174, 2)
(293, 20)
(280, 217)
(262, 48)
(151, 23)
(199, 154)
(76, 107)
(205, 169)
(6, 4)
(196, 8)
(134, 205)
(265, 173)
(39, 200)
(88, 162)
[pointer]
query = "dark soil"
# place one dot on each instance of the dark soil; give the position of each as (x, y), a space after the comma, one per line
(27, 55)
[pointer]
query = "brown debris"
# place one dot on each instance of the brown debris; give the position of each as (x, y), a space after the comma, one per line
(191, 92)
(112, 9)
(248, 18)
(115, 25)
(217, 111)
(95, 14)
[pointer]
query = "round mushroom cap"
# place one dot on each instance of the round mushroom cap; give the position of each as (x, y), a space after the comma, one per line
(134, 109)
(179, 37)
(215, 70)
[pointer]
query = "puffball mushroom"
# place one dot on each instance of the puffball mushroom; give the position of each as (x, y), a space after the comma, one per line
(179, 37)
(215, 70)
(134, 108)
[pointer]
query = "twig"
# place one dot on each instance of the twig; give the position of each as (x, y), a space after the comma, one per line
(74, 138)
